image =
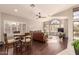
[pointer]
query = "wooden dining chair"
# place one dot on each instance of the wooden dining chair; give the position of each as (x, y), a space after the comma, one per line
(19, 44)
(6, 45)
(16, 32)
(7, 42)
(17, 47)
(28, 44)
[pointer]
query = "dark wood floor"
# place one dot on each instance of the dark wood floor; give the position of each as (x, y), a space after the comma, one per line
(39, 48)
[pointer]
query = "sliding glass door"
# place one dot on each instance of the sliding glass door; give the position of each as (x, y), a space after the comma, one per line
(76, 23)
(76, 30)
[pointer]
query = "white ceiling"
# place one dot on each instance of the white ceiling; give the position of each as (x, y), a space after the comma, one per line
(24, 10)
(51, 9)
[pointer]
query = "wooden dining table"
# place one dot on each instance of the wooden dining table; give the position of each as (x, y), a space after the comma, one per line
(21, 38)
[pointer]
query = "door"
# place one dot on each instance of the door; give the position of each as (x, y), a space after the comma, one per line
(76, 30)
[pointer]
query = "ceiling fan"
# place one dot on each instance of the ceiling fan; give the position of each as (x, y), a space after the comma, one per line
(39, 15)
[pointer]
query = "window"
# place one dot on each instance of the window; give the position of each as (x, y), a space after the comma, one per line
(54, 25)
(51, 27)
(76, 23)
(10, 27)
(46, 27)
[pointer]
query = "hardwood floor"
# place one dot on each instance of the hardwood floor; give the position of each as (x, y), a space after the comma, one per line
(52, 47)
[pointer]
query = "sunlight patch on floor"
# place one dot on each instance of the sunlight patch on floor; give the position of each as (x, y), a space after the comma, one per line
(54, 39)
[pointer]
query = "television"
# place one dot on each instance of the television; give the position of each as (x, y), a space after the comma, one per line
(60, 29)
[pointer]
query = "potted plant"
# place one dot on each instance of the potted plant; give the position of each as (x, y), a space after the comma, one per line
(76, 46)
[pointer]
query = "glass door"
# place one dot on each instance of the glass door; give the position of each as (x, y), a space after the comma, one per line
(54, 25)
(76, 30)
(46, 27)
(76, 23)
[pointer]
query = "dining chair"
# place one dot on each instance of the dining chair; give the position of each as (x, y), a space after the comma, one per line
(6, 43)
(16, 32)
(17, 47)
(27, 42)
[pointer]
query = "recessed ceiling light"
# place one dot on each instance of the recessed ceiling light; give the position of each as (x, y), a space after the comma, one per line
(15, 10)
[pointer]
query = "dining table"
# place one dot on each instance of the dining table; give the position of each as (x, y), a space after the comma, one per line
(21, 40)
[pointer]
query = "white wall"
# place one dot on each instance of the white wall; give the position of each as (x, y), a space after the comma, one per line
(35, 25)
(0, 28)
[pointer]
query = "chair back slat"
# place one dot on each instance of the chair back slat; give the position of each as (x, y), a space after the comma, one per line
(5, 38)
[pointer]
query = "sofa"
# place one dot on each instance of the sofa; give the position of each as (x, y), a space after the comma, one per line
(39, 36)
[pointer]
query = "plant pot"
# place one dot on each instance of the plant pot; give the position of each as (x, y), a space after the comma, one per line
(76, 52)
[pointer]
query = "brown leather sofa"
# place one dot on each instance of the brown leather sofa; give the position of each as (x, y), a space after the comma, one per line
(39, 36)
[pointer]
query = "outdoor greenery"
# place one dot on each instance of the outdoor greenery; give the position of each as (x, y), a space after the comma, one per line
(76, 45)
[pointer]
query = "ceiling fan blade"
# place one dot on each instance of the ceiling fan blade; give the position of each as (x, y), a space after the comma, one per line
(37, 15)
(40, 17)
(49, 15)
(43, 17)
